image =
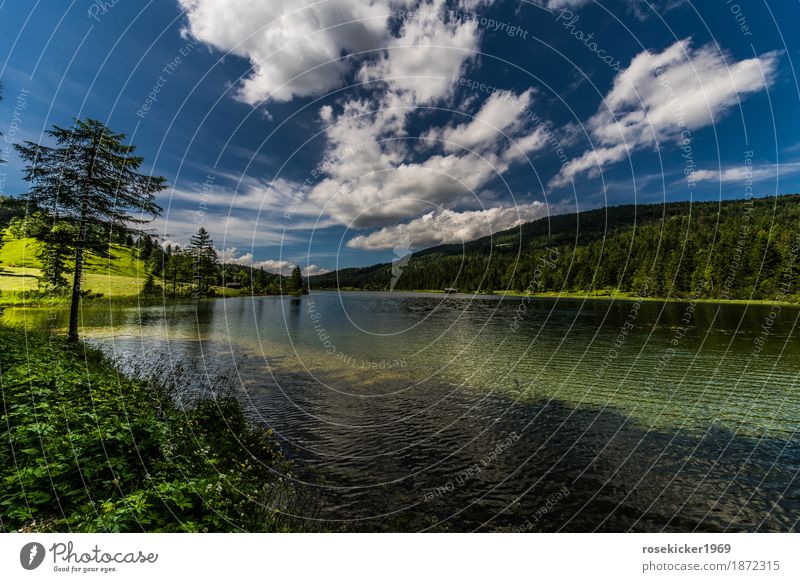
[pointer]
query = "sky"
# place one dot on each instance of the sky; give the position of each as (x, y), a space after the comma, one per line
(344, 133)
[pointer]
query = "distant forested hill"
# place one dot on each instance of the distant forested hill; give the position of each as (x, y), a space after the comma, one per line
(732, 249)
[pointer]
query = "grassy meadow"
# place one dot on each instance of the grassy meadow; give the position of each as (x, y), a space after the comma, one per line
(121, 275)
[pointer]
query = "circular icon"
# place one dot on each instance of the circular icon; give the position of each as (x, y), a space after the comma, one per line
(31, 555)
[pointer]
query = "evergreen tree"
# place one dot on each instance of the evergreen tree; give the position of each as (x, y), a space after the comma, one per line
(177, 268)
(56, 250)
(205, 265)
(10, 210)
(296, 281)
(150, 288)
(243, 277)
(156, 262)
(91, 178)
(171, 269)
(165, 261)
(146, 244)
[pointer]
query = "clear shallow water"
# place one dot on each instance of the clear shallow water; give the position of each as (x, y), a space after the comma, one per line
(459, 413)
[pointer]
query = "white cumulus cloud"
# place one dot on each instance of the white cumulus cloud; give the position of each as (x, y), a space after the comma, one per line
(307, 49)
(448, 226)
(661, 96)
(294, 48)
(428, 52)
(745, 173)
(379, 183)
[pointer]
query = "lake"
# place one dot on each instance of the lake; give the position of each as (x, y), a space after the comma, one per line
(411, 411)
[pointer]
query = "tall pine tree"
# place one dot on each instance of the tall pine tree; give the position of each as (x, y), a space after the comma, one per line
(91, 178)
(205, 265)
(296, 281)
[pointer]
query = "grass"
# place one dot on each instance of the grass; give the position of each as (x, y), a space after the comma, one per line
(24, 252)
(19, 252)
(112, 285)
(18, 278)
(86, 448)
(119, 276)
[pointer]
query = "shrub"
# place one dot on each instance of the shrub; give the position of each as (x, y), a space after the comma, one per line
(88, 449)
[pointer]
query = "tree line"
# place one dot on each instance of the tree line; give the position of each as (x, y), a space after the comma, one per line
(196, 270)
(737, 249)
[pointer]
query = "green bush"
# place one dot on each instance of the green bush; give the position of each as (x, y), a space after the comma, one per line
(85, 448)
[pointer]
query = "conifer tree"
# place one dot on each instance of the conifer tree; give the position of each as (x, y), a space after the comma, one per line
(205, 265)
(296, 280)
(91, 178)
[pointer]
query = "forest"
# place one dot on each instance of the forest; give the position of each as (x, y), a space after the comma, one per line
(735, 249)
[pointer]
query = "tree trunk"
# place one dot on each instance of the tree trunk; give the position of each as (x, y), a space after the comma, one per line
(74, 307)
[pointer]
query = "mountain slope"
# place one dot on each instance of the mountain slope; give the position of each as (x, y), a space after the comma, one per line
(734, 249)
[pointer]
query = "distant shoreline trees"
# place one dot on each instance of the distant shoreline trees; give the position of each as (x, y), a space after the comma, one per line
(733, 249)
(196, 271)
(296, 282)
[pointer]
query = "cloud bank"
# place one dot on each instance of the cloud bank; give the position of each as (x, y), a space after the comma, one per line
(449, 227)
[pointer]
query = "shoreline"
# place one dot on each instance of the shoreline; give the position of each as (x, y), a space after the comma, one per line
(123, 300)
(584, 295)
(133, 300)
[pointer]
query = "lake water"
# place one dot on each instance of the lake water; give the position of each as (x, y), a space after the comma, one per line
(408, 411)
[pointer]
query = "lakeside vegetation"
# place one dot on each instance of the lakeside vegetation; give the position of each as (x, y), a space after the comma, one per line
(607, 294)
(88, 449)
(123, 273)
(85, 191)
(731, 250)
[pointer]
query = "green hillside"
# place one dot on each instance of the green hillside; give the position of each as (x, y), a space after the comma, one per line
(738, 249)
(121, 274)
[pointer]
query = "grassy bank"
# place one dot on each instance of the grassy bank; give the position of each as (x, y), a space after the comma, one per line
(85, 448)
(787, 300)
(625, 296)
(118, 278)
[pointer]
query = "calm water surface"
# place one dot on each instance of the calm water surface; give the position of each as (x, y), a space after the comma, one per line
(459, 413)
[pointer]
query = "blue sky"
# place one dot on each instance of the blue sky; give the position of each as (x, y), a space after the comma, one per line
(344, 133)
